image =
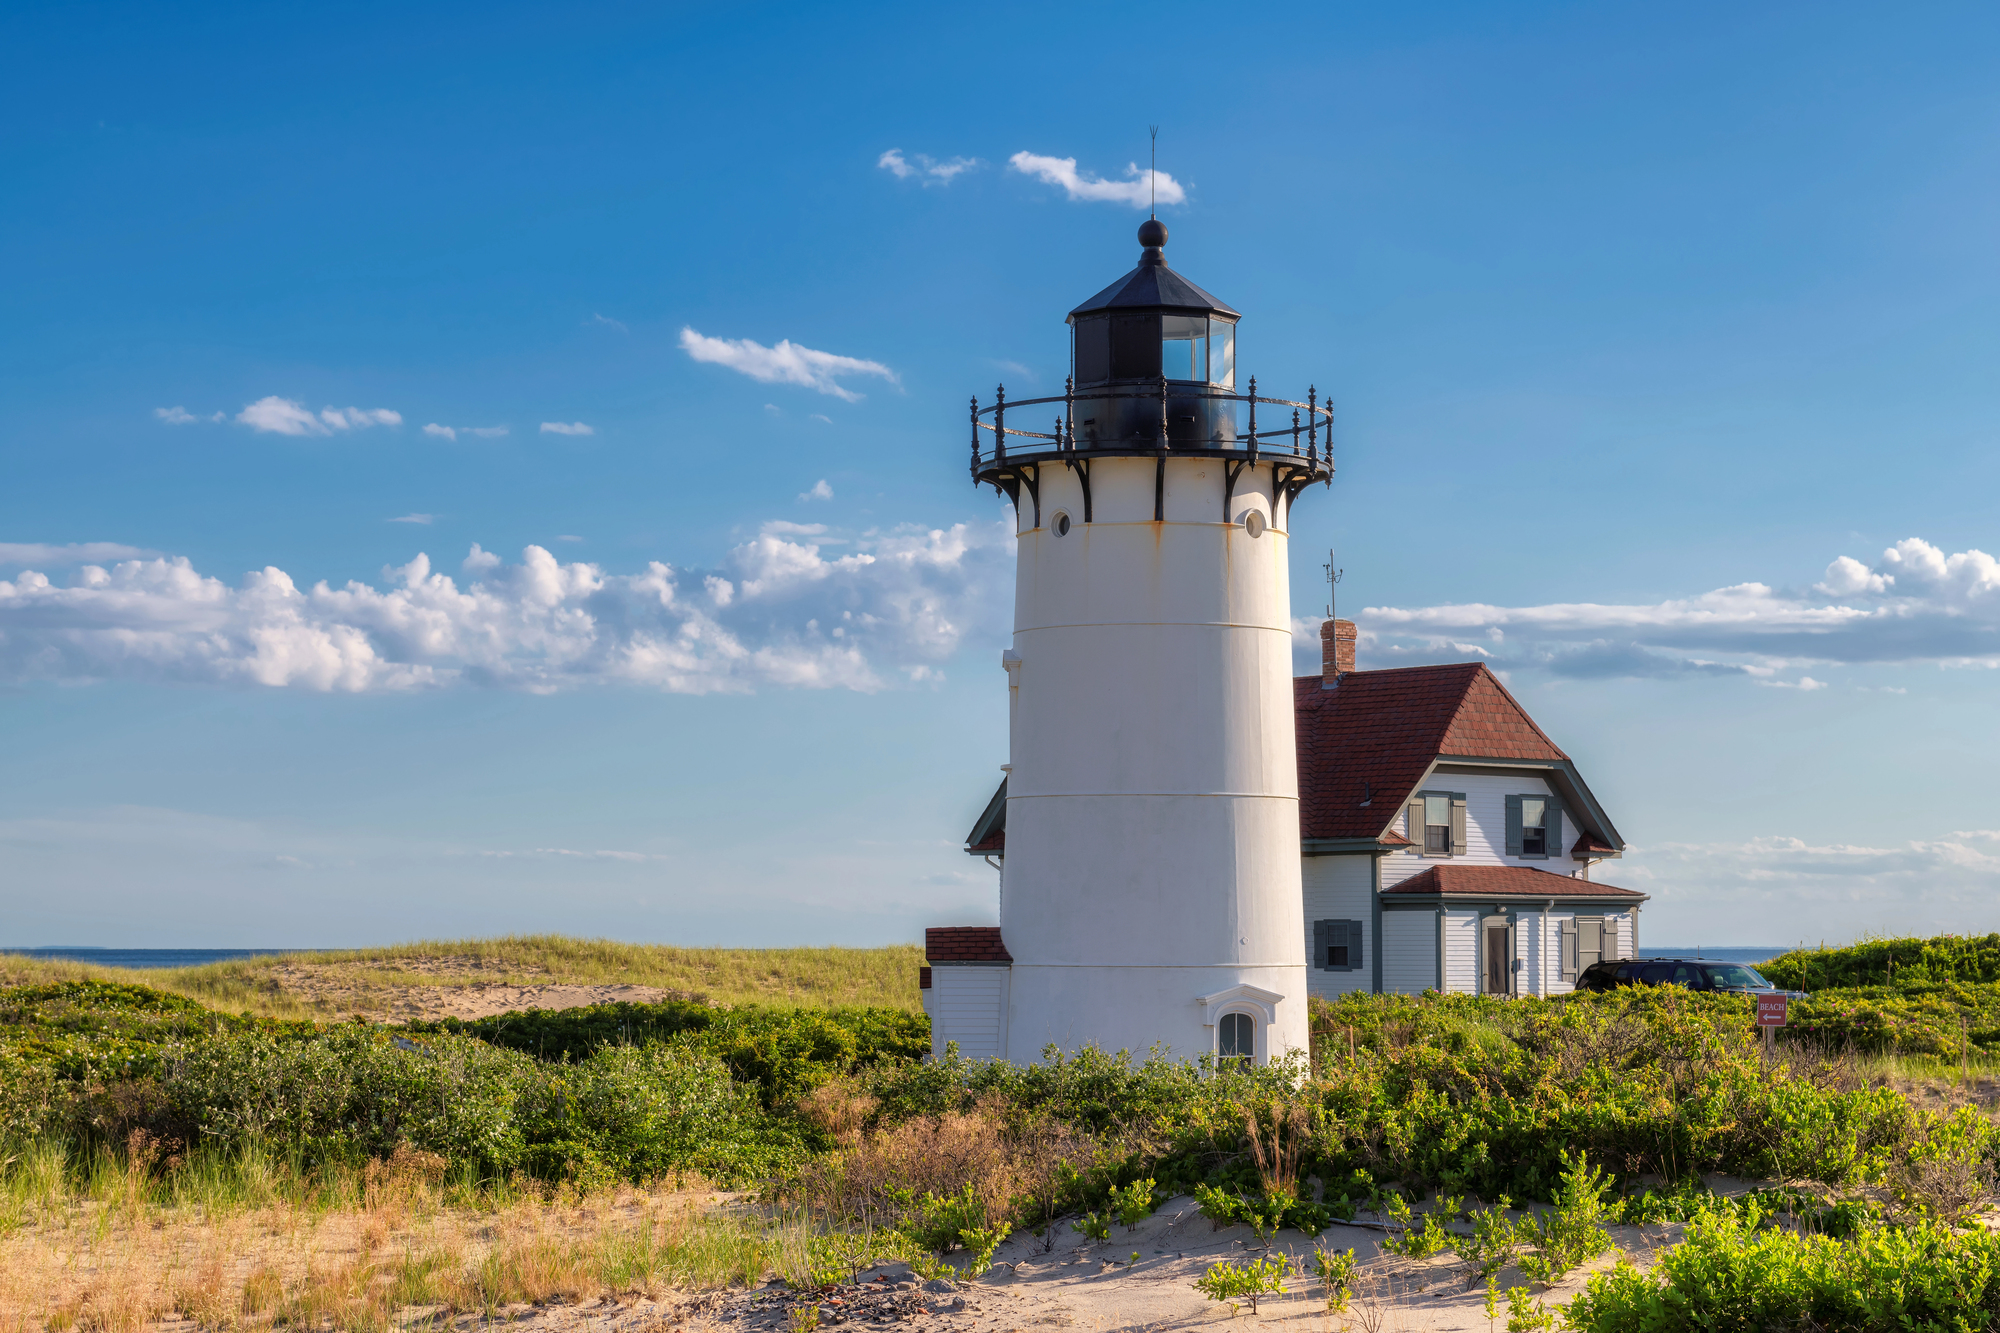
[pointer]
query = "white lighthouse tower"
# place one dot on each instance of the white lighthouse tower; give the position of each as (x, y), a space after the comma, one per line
(1150, 888)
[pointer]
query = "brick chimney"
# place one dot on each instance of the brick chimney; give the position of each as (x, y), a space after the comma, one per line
(1336, 650)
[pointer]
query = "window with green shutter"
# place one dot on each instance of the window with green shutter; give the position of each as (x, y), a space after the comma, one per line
(1534, 827)
(1337, 946)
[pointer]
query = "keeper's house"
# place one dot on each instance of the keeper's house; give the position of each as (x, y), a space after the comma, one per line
(1446, 843)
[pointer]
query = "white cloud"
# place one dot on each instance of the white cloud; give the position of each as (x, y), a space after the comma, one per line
(1847, 576)
(180, 416)
(1916, 604)
(569, 537)
(75, 553)
(609, 322)
(787, 363)
(483, 432)
(820, 491)
(284, 416)
(929, 170)
(1136, 190)
(900, 599)
(785, 529)
(424, 519)
(441, 432)
(1771, 890)
(567, 428)
(821, 416)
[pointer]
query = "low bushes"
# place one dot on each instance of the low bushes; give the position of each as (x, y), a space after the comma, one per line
(1894, 962)
(1728, 1275)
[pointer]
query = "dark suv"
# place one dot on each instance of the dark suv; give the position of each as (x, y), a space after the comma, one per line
(1694, 973)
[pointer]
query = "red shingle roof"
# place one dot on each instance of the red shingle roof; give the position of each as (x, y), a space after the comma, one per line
(1373, 737)
(965, 944)
(1591, 845)
(1503, 882)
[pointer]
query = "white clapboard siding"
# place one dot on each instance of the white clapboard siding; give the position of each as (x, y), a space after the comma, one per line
(1409, 952)
(969, 1006)
(1339, 888)
(1461, 934)
(1485, 827)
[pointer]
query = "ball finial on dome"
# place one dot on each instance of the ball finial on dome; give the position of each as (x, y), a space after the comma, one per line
(1152, 233)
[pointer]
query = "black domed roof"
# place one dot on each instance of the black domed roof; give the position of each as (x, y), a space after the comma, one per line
(1153, 285)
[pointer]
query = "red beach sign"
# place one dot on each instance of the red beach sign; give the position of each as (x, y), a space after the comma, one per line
(1771, 1011)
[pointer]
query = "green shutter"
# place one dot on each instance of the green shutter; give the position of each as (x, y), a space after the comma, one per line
(1354, 946)
(1554, 841)
(1320, 942)
(1513, 826)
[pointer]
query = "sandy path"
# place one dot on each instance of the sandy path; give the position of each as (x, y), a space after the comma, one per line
(1092, 1287)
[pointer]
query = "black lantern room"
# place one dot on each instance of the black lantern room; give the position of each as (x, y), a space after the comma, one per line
(1153, 373)
(1149, 326)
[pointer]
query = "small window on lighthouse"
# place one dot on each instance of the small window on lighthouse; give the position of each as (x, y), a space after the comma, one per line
(1238, 1038)
(1253, 523)
(1060, 524)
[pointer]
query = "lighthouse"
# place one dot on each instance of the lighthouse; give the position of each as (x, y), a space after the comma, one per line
(1150, 887)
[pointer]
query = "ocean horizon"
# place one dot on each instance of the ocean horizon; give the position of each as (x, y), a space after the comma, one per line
(161, 959)
(143, 959)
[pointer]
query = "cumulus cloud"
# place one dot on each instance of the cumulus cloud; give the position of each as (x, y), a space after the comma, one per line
(777, 611)
(75, 553)
(567, 428)
(284, 416)
(441, 432)
(787, 363)
(1916, 604)
(1137, 190)
(820, 491)
(929, 170)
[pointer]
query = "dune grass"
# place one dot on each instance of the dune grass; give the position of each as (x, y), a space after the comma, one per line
(296, 985)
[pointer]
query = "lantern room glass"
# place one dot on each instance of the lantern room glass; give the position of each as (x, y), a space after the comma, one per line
(1184, 347)
(1198, 349)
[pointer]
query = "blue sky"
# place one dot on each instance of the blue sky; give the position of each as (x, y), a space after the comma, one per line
(1638, 321)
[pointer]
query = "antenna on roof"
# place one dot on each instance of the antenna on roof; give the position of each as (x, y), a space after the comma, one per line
(1153, 178)
(1332, 578)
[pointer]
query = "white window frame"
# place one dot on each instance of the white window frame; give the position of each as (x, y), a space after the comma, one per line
(1262, 1007)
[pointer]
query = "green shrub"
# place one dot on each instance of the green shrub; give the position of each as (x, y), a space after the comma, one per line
(1725, 1275)
(643, 1112)
(1246, 1281)
(783, 1051)
(1891, 962)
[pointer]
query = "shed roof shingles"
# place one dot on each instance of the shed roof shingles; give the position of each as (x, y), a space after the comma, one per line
(1502, 882)
(965, 944)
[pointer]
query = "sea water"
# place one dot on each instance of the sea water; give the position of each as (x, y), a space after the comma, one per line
(145, 958)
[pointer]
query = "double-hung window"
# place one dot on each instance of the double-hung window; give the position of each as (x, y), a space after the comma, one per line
(1534, 827)
(1437, 823)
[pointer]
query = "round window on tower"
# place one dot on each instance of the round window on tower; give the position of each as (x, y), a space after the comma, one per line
(1253, 523)
(1060, 524)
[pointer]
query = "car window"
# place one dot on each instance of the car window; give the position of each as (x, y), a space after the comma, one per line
(1656, 974)
(1736, 975)
(1686, 974)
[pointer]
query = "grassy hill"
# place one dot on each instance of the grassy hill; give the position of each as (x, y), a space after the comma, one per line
(320, 984)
